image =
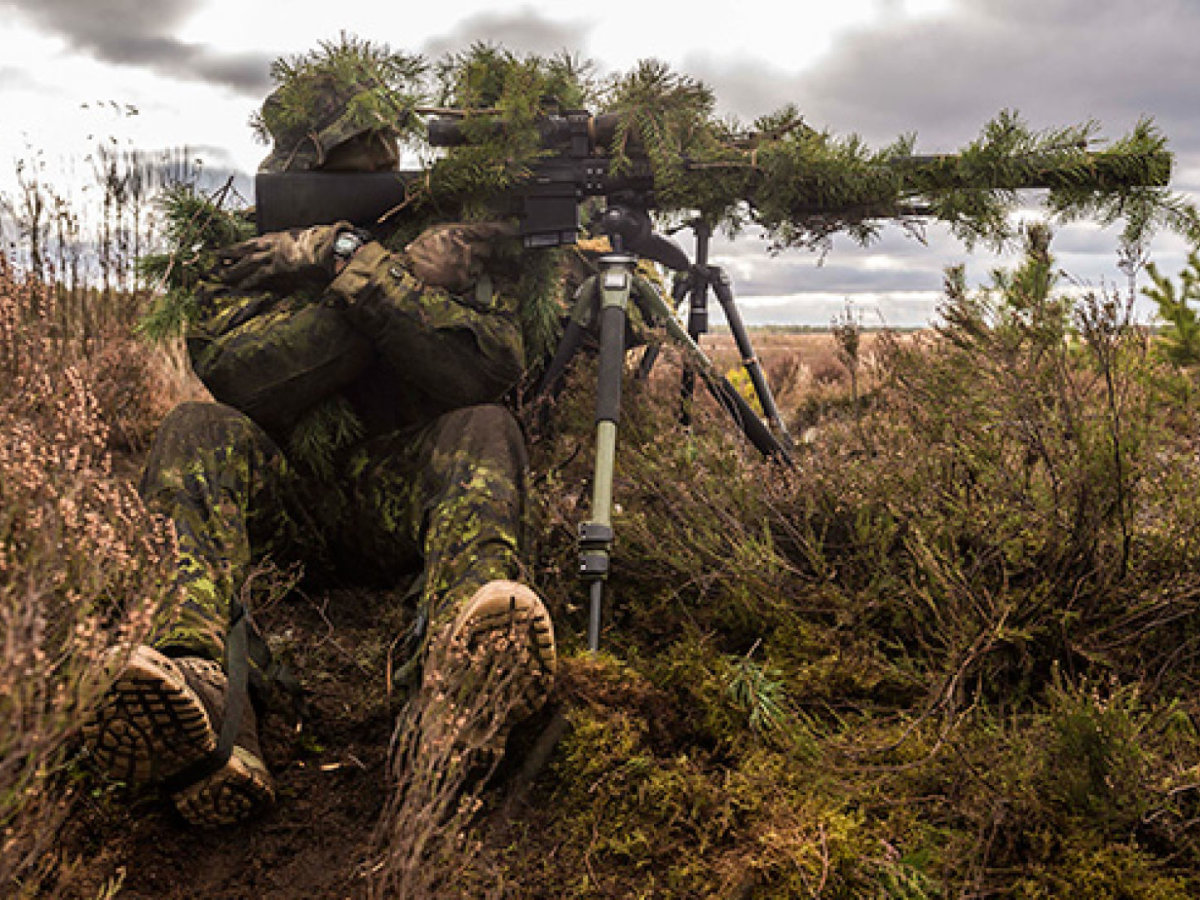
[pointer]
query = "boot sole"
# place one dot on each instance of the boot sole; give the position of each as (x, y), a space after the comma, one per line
(228, 796)
(498, 608)
(149, 724)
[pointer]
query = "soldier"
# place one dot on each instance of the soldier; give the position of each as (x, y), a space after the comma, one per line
(358, 426)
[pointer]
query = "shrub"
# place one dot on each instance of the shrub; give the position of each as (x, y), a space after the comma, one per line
(82, 568)
(1181, 329)
(953, 653)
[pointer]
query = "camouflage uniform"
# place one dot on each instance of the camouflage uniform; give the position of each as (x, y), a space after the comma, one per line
(358, 428)
(432, 485)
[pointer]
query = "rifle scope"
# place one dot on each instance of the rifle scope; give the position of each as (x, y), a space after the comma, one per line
(577, 165)
(577, 132)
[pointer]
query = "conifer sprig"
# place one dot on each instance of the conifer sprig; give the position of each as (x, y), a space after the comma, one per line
(379, 87)
(196, 226)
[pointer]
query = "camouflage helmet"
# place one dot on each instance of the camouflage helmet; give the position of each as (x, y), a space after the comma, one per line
(345, 105)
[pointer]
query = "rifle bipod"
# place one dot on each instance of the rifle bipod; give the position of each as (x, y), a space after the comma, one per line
(601, 305)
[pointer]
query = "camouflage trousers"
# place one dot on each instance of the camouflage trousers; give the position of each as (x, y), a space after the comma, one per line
(443, 502)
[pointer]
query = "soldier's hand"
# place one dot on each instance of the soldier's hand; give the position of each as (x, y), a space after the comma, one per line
(452, 256)
(281, 259)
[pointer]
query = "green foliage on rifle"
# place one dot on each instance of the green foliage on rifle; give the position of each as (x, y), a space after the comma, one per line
(801, 185)
(486, 83)
(667, 117)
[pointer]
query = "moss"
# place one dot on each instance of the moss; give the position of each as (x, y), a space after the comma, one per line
(1112, 871)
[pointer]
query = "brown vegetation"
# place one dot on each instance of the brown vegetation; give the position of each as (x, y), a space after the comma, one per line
(82, 566)
(954, 653)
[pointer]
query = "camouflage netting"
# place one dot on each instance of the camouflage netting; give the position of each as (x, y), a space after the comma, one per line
(347, 93)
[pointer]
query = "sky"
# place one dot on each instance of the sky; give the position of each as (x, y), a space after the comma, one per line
(189, 73)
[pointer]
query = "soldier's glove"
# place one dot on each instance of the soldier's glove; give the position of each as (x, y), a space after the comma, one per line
(453, 255)
(282, 259)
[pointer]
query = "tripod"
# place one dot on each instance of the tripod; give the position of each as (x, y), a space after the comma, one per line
(694, 287)
(602, 303)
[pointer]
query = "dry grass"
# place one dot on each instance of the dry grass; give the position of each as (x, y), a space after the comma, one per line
(448, 742)
(82, 565)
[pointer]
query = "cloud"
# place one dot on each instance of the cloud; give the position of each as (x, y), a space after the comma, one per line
(1057, 61)
(123, 33)
(15, 79)
(127, 32)
(523, 31)
(894, 264)
(818, 309)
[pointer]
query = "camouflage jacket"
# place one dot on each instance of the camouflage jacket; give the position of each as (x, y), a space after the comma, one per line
(396, 352)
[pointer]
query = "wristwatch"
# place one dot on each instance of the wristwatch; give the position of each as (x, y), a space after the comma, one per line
(346, 244)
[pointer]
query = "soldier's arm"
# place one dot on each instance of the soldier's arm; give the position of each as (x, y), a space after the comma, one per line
(274, 358)
(464, 348)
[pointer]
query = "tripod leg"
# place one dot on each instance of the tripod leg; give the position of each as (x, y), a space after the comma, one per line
(595, 535)
(655, 309)
(693, 289)
(582, 314)
(749, 358)
(649, 358)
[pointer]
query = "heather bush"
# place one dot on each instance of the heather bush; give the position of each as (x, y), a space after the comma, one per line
(954, 652)
(82, 568)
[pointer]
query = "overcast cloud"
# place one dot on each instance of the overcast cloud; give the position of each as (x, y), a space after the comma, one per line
(940, 75)
(522, 31)
(133, 33)
(1057, 61)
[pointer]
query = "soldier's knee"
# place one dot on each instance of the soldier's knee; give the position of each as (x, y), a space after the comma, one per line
(199, 424)
(198, 432)
(490, 418)
(485, 430)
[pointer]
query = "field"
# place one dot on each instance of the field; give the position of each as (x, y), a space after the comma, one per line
(953, 653)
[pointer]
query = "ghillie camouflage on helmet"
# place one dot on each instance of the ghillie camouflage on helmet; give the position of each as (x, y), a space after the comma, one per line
(349, 93)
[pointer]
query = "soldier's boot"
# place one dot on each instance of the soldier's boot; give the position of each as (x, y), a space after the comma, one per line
(502, 641)
(161, 719)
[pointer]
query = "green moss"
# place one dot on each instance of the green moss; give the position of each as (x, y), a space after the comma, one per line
(1112, 871)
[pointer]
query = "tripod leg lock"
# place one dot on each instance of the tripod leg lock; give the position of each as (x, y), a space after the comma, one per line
(594, 541)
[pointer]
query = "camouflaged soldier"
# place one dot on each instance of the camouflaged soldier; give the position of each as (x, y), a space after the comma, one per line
(357, 427)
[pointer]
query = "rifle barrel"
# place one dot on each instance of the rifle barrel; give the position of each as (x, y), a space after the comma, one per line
(1100, 171)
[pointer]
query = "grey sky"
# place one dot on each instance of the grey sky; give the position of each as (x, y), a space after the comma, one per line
(524, 31)
(941, 75)
(128, 32)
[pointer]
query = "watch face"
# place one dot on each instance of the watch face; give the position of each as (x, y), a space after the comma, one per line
(346, 243)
